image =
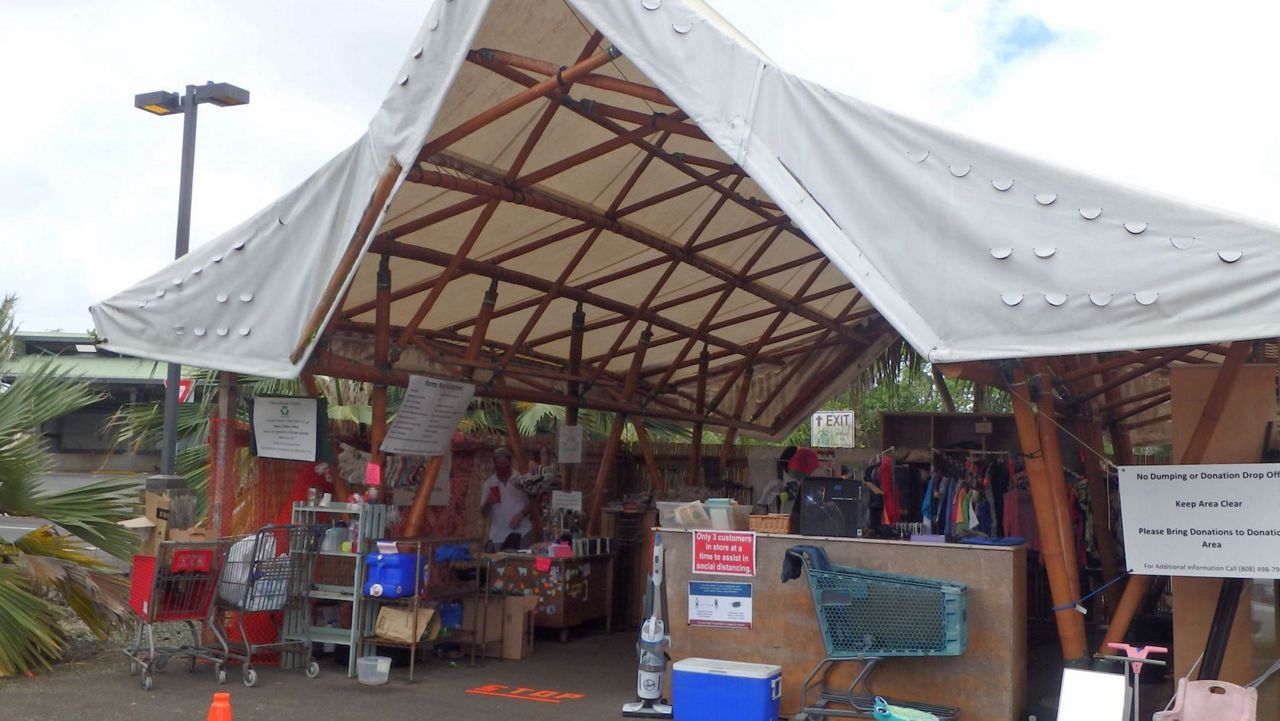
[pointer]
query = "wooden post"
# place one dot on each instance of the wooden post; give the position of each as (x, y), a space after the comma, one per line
(513, 437)
(615, 433)
(418, 511)
(1136, 587)
(650, 463)
(222, 487)
(943, 391)
(979, 397)
(487, 305)
(577, 328)
(1070, 622)
(739, 406)
(1100, 509)
(695, 446)
(381, 358)
(1051, 450)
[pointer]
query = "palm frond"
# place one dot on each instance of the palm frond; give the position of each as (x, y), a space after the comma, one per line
(30, 637)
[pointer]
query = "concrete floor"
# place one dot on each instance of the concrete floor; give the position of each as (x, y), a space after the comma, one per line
(600, 667)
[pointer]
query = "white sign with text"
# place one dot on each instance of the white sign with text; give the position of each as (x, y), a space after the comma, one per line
(428, 416)
(285, 428)
(1206, 520)
(831, 429)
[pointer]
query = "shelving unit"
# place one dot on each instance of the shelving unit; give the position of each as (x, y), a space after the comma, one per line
(436, 591)
(338, 578)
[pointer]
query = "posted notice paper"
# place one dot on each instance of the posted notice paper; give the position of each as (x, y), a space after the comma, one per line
(428, 416)
(1205, 520)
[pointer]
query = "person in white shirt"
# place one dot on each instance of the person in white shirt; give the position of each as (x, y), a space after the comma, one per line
(505, 505)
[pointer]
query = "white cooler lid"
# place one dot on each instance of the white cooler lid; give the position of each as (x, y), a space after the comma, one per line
(727, 668)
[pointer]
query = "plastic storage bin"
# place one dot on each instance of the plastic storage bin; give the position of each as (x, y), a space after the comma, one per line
(373, 670)
(705, 689)
(391, 574)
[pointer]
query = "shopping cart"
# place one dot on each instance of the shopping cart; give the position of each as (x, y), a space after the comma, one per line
(175, 585)
(868, 616)
(266, 571)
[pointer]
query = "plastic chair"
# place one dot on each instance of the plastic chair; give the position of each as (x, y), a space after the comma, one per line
(1211, 701)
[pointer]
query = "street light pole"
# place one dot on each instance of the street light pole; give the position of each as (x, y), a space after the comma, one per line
(166, 103)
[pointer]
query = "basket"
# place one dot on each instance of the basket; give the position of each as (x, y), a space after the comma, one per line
(872, 613)
(771, 523)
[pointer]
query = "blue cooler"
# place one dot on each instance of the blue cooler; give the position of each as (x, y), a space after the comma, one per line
(390, 575)
(704, 689)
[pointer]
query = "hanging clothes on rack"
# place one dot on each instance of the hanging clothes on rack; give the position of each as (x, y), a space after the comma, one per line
(892, 504)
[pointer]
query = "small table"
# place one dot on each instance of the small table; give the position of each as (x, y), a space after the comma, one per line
(570, 591)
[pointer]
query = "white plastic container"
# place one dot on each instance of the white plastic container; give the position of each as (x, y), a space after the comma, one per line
(373, 670)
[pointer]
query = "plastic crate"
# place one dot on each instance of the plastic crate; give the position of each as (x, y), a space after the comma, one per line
(872, 613)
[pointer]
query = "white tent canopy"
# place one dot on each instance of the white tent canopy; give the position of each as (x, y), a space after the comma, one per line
(642, 160)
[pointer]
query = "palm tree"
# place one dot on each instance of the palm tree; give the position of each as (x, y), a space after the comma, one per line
(55, 563)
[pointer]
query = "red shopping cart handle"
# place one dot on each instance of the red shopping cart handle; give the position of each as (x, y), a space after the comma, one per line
(1137, 652)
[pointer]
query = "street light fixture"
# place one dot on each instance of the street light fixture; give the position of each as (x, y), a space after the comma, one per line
(163, 102)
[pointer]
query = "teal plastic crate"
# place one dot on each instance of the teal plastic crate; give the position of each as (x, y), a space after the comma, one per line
(873, 613)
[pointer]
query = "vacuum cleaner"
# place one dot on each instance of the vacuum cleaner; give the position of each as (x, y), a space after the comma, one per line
(652, 648)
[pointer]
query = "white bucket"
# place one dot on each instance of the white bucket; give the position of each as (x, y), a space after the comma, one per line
(373, 670)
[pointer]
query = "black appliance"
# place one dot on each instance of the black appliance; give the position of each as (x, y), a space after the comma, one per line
(832, 507)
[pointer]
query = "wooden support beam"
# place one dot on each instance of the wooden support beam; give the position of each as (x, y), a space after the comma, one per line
(695, 447)
(739, 406)
(1135, 591)
(1070, 623)
(451, 267)
(1139, 410)
(615, 436)
(347, 263)
(1216, 402)
(488, 56)
(983, 372)
(1051, 449)
(1112, 405)
(527, 280)
(381, 358)
(222, 479)
(487, 305)
(785, 381)
(416, 519)
(1125, 428)
(514, 440)
(1120, 379)
(534, 198)
(944, 392)
(519, 100)
(578, 320)
(979, 397)
(657, 486)
(1113, 363)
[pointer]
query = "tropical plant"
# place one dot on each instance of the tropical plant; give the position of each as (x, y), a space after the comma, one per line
(56, 562)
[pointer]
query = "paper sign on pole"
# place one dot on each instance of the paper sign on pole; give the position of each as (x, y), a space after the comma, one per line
(570, 450)
(285, 428)
(831, 429)
(722, 605)
(428, 416)
(1205, 520)
(566, 501)
(724, 553)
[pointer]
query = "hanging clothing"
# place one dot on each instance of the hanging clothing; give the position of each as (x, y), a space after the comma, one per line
(892, 506)
(1020, 514)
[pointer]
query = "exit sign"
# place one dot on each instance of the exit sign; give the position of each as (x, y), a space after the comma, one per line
(831, 429)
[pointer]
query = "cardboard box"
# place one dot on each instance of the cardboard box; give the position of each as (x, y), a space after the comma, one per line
(153, 523)
(491, 644)
(189, 534)
(397, 624)
(517, 627)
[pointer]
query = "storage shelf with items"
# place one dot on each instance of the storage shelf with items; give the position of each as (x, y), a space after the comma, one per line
(406, 583)
(339, 573)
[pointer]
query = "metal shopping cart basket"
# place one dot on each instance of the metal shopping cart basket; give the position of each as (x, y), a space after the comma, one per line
(266, 571)
(868, 616)
(175, 585)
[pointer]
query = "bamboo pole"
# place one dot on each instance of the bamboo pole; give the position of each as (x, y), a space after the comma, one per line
(740, 405)
(1051, 449)
(695, 447)
(372, 211)
(478, 333)
(413, 525)
(1070, 623)
(578, 321)
(646, 452)
(615, 435)
(222, 488)
(943, 391)
(381, 358)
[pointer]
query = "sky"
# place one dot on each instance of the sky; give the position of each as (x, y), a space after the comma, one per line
(1173, 97)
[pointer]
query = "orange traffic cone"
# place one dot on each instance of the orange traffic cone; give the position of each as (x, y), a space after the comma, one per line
(220, 709)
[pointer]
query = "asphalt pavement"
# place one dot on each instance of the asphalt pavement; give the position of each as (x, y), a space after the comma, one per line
(587, 678)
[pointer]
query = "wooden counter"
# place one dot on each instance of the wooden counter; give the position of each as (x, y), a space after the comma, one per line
(988, 682)
(570, 591)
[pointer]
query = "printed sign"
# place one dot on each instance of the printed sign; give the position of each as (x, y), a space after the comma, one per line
(428, 416)
(722, 605)
(566, 501)
(285, 428)
(831, 429)
(1206, 520)
(724, 553)
(570, 450)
